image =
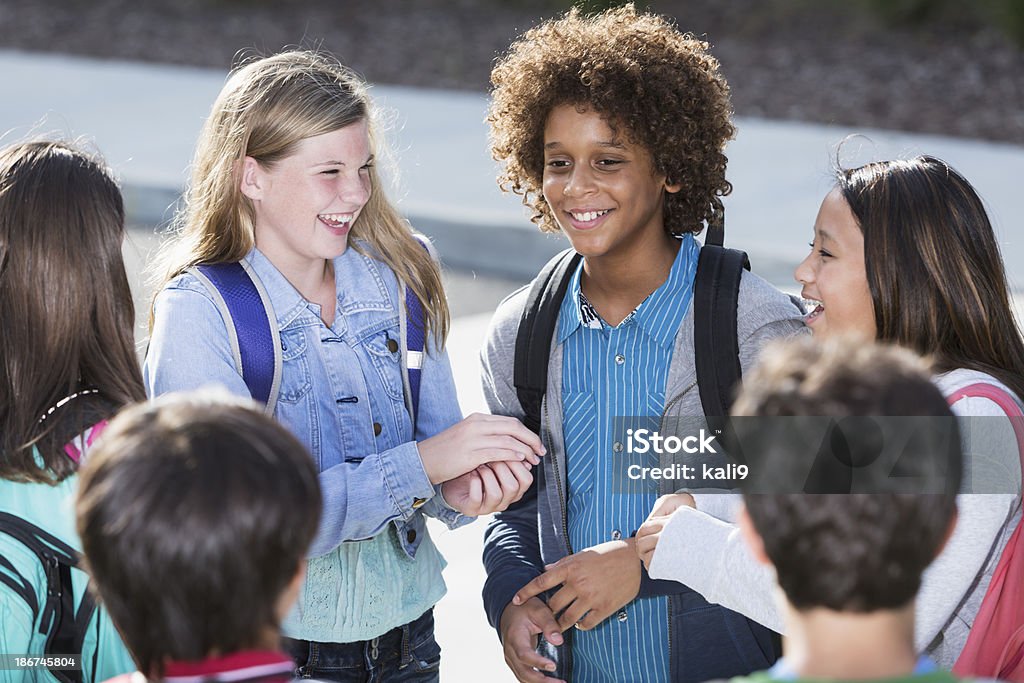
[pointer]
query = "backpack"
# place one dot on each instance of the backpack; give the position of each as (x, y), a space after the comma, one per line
(256, 343)
(995, 645)
(65, 625)
(716, 290)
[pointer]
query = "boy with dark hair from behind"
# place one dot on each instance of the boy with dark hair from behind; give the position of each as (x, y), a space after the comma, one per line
(850, 565)
(195, 513)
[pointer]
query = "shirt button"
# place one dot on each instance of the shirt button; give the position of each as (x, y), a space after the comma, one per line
(620, 359)
(410, 535)
(622, 616)
(616, 535)
(417, 503)
(377, 429)
(392, 345)
(617, 447)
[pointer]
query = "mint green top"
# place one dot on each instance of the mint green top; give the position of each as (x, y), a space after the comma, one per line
(358, 591)
(50, 508)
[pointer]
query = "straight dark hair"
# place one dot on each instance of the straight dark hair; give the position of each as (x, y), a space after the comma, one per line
(65, 303)
(195, 512)
(934, 270)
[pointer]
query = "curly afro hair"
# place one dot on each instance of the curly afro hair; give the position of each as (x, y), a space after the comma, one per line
(657, 85)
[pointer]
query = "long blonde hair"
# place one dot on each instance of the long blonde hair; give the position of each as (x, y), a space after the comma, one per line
(266, 108)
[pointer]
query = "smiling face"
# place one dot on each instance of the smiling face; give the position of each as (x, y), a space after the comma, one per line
(306, 203)
(834, 276)
(602, 189)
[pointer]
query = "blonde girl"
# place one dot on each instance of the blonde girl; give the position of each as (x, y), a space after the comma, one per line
(284, 182)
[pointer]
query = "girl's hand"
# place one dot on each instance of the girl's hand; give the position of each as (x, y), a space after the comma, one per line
(650, 532)
(477, 440)
(488, 488)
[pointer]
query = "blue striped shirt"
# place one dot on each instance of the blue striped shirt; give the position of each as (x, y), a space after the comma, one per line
(611, 372)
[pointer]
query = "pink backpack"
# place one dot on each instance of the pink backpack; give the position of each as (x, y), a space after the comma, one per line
(995, 646)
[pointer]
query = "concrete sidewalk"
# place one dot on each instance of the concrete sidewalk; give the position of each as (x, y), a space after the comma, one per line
(145, 119)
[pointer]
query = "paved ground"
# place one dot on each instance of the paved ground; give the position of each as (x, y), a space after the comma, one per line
(920, 65)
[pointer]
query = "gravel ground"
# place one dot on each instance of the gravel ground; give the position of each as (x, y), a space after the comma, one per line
(805, 60)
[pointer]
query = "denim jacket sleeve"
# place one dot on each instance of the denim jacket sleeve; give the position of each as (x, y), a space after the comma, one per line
(189, 348)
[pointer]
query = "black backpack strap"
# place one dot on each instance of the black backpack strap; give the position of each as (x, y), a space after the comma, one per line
(537, 326)
(715, 234)
(13, 579)
(65, 626)
(716, 346)
(65, 632)
(86, 609)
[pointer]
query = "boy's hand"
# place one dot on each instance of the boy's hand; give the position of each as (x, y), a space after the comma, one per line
(489, 488)
(650, 532)
(520, 625)
(477, 440)
(595, 583)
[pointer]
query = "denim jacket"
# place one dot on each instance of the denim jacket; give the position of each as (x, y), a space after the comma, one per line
(342, 392)
(705, 641)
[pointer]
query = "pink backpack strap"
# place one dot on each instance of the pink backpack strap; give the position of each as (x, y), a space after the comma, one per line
(995, 646)
(1001, 398)
(79, 446)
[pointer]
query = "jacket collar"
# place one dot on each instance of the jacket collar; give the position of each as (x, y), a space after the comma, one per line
(358, 281)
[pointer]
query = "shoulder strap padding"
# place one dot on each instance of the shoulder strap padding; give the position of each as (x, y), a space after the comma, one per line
(65, 627)
(251, 324)
(1006, 402)
(415, 340)
(716, 346)
(536, 327)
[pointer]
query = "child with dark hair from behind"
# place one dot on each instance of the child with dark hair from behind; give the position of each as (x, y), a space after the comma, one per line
(850, 565)
(196, 512)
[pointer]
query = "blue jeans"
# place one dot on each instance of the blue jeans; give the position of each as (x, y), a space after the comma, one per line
(407, 654)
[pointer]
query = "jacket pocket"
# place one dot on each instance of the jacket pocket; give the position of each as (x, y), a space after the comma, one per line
(385, 355)
(295, 375)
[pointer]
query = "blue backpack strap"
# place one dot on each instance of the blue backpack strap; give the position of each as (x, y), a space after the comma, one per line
(251, 324)
(415, 338)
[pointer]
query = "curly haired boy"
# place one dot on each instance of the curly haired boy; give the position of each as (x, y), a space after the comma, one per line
(612, 128)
